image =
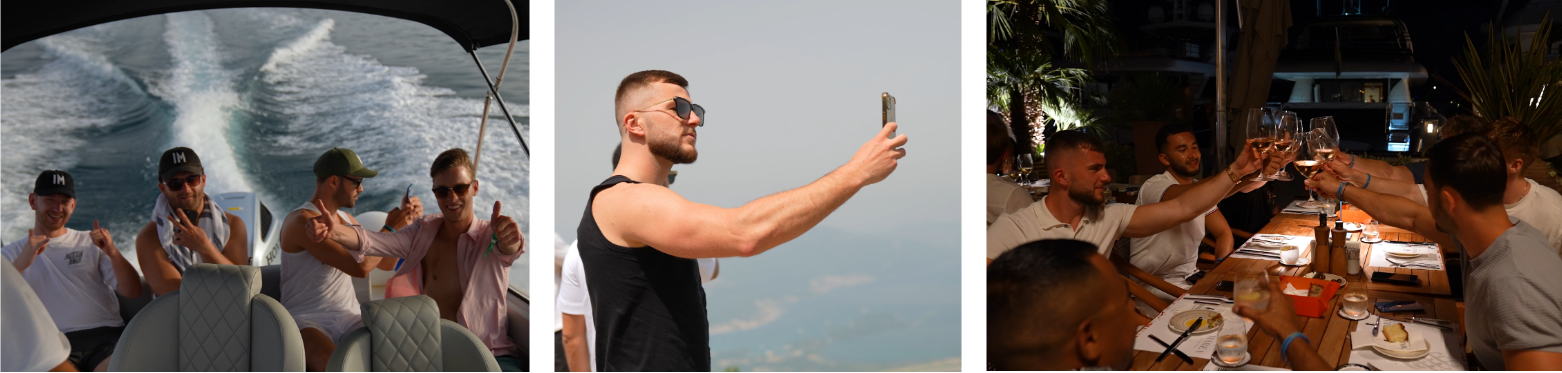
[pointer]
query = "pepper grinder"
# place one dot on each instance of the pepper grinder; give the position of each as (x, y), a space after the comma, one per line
(1320, 262)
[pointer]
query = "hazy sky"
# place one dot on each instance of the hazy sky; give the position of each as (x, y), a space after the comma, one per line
(791, 91)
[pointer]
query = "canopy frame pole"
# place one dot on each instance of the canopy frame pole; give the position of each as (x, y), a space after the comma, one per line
(1220, 83)
(500, 99)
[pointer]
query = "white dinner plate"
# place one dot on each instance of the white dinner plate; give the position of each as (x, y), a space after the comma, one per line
(1212, 321)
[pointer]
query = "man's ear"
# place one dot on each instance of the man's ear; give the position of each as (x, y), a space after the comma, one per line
(1515, 166)
(1447, 195)
(1088, 343)
(1164, 161)
(633, 125)
(32, 200)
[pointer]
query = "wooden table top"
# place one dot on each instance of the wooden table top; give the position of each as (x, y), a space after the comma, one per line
(1329, 334)
(1431, 282)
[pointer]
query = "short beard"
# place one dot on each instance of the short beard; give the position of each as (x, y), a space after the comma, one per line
(344, 199)
(671, 150)
(1086, 197)
(1180, 170)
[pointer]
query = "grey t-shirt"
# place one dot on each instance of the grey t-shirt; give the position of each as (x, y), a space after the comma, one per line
(1514, 297)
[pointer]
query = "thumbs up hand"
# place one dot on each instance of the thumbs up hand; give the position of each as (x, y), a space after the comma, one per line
(507, 232)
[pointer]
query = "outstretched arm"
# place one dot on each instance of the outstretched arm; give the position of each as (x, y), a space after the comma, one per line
(655, 216)
(1391, 210)
(1375, 182)
(295, 232)
(1180, 205)
(1376, 167)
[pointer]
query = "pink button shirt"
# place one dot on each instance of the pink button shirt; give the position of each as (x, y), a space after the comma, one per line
(484, 278)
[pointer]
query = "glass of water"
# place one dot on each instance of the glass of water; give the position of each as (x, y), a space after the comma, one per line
(1355, 302)
(1253, 291)
(1231, 345)
(1371, 229)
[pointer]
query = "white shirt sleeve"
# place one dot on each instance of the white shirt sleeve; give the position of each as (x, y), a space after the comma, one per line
(572, 291)
(707, 269)
(31, 341)
(13, 250)
(106, 269)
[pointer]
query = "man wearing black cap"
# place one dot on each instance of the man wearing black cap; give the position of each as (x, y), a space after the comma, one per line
(187, 228)
(75, 273)
(315, 286)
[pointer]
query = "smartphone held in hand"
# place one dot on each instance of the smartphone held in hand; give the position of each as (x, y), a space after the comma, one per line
(889, 111)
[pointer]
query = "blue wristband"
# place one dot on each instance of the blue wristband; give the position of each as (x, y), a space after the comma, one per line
(1352, 162)
(1369, 182)
(1339, 193)
(1285, 346)
(392, 229)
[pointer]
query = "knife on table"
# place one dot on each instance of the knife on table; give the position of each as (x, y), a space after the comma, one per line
(1179, 353)
(1196, 324)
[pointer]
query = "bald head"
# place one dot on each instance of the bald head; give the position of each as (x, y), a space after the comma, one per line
(635, 91)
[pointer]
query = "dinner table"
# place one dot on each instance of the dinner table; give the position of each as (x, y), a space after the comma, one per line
(1330, 334)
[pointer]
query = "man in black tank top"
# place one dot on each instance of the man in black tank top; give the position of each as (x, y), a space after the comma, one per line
(638, 239)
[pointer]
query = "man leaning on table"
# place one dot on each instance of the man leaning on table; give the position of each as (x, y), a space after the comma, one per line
(1513, 297)
(1075, 209)
(1054, 305)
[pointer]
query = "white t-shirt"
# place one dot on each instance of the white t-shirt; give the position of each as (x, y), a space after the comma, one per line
(559, 250)
(1003, 197)
(1542, 207)
(575, 299)
(30, 343)
(1172, 254)
(1100, 226)
(74, 280)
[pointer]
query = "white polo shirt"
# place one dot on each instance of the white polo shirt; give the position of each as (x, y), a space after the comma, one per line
(1542, 207)
(1100, 226)
(1003, 197)
(1172, 254)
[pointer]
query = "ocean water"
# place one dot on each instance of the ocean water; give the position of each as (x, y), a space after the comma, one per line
(259, 94)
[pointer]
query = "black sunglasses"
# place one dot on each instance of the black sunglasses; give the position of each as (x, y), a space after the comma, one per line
(683, 107)
(355, 180)
(177, 184)
(443, 192)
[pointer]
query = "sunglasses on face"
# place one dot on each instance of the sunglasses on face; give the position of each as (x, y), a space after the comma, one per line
(682, 107)
(443, 192)
(177, 184)
(357, 181)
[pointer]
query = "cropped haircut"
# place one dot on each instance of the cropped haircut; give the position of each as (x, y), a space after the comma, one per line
(1030, 285)
(1068, 141)
(455, 157)
(640, 80)
(1471, 164)
(1517, 140)
(999, 138)
(1166, 132)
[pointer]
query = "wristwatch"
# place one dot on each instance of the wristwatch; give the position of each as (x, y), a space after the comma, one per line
(1233, 175)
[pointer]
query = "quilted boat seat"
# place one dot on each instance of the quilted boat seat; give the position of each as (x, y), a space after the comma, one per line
(406, 335)
(216, 321)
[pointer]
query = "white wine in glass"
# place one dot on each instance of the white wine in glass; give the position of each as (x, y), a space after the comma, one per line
(1307, 167)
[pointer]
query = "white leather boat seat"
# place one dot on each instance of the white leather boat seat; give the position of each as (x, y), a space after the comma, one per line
(406, 335)
(216, 321)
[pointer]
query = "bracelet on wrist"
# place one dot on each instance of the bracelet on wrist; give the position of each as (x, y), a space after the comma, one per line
(1369, 182)
(1339, 193)
(390, 228)
(1286, 346)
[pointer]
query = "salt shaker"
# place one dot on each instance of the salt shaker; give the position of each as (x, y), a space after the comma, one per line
(1353, 257)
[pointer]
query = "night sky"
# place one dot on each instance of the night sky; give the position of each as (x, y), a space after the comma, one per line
(1437, 30)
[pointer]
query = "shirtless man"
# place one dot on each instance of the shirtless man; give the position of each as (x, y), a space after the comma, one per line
(316, 289)
(438, 247)
(187, 227)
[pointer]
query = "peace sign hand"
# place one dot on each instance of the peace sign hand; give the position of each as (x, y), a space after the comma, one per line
(321, 227)
(507, 231)
(187, 233)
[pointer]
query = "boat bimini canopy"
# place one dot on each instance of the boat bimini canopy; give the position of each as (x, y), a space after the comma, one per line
(472, 23)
